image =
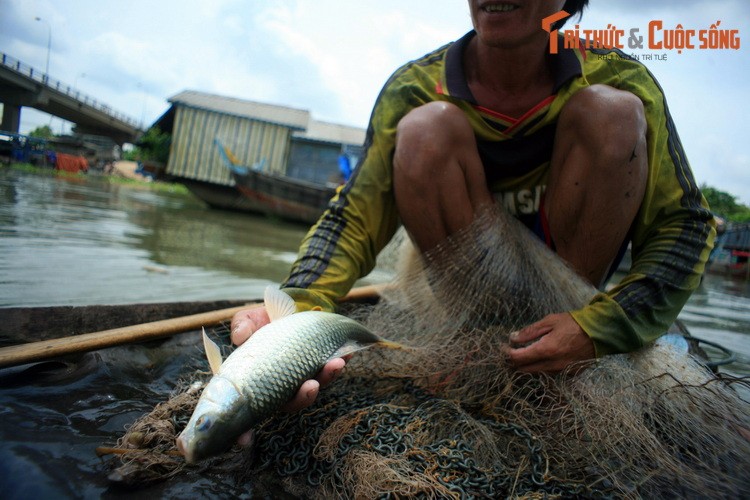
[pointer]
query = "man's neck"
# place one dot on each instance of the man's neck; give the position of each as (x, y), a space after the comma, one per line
(509, 81)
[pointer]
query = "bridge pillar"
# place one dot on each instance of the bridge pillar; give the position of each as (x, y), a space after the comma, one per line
(11, 118)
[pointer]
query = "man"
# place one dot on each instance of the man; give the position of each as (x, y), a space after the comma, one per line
(580, 147)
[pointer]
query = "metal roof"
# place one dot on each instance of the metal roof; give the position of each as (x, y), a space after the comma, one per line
(331, 132)
(737, 237)
(280, 115)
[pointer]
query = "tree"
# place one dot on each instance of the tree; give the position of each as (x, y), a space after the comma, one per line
(42, 132)
(725, 205)
(153, 145)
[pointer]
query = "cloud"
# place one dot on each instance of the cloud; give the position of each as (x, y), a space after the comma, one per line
(725, 166)
(11, 30)
(352, 48)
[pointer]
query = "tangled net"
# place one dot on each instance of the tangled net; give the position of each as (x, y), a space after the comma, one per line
(448, 418)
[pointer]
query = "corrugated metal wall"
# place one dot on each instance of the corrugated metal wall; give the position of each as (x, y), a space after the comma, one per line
(318, 161)
(195, 156)
(314, 161)
(737, 237)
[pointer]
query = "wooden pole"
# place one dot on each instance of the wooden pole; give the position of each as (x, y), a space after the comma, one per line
(363, 293)
(46, 349)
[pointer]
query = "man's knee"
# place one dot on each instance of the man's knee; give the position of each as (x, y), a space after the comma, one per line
(428, 133)
(612, 121)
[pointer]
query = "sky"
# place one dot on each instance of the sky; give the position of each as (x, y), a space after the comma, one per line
(331, 57)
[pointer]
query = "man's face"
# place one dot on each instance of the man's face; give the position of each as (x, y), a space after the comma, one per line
(510, 23)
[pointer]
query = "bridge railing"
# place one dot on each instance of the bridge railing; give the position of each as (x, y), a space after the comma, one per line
(43, 78)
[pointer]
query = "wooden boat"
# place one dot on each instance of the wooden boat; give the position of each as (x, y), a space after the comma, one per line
(92, 395)
(61, 410)
(731, 254)
(29, 334)
(219, 196)
(730, 262)
(277, 195)
(34, 324)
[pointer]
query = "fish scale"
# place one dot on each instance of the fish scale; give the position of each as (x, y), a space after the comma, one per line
(302, 343)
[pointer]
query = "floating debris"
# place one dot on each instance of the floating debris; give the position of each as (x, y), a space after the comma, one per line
(155, 269)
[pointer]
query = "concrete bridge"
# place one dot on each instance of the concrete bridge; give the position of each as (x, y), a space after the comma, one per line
(21, 85)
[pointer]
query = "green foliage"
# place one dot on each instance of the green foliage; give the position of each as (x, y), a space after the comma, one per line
(153, 145)
(42, 132)
(725, 205)
(169, 187)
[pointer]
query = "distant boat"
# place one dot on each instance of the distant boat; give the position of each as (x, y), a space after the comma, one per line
(277, 195)
(731, 253)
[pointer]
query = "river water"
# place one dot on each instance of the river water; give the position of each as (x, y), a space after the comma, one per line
(85, 240)
(73, 241)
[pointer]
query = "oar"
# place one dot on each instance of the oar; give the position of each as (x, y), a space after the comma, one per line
(46, 349)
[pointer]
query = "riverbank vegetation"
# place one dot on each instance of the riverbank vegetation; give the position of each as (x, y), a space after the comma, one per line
(171, 187)
(726, 205)
(153, 145)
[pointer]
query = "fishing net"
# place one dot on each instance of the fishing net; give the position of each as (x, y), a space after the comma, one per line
(449, 418)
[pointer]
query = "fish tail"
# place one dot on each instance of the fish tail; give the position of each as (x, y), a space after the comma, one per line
(389, 344)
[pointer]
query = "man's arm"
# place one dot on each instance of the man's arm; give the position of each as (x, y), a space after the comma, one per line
(672, 237)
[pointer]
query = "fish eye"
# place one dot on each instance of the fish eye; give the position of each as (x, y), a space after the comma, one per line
(203, 423)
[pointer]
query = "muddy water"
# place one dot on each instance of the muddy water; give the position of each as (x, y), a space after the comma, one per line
(87, 241)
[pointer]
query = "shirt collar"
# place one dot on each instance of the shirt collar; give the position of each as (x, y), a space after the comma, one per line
(566, 66)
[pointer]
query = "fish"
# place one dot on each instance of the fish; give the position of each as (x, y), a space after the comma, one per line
(266, 371)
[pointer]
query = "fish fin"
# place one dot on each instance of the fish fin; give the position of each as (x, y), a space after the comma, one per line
(349, 347)
(213, 353)
(278, 304)
(352, 346)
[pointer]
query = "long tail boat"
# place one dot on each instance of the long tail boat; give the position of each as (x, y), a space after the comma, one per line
(274, 194)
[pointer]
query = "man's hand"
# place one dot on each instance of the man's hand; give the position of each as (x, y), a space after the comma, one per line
(247, 322)
(549, 345)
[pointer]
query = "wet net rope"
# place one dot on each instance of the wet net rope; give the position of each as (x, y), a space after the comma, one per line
(448, 418)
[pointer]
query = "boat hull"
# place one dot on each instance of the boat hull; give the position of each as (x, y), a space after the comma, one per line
(283, 197)
(221, 197)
